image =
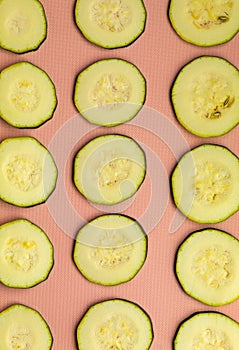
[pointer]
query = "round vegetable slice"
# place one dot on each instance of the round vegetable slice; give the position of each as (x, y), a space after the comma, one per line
(205, 23)
(23, 25)
(110, 23)
(205, 184)
(207, 266)
(27, 95)
(22, 327)
(115, 324)
(110, 92)
(28, 172)
(109, 169)
(205, 96)
(26, 254)
(110, 249)
(207, 330)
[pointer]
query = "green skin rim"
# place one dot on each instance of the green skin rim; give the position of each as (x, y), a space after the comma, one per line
(174, 106)
(185, 241)
(125, 279)
(22, 306)
(172, 185)
(45, 277)
(40, 123)
(140, 105)
(219, 42)
(102, 202)
(41, 40)
(198, 314)
(87, 37)
(117, 300)
(55, 180)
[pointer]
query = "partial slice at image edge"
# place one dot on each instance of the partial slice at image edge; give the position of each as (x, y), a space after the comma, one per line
(110, 24)
(112, 322)
(23, 25)
(18, 322)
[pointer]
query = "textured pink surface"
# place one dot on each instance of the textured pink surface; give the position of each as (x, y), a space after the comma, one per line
(64, 297)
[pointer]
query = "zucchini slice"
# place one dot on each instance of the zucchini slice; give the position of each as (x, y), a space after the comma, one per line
(205, 23)
(109, 169)
(205, 184)
(205, 96)
(207, 266)
(22, 327)
(26, 254)
(28, 171)
(115, 324)
(23, 25)
(110, 23)
(207, 330)
(110, 249)
(27, 95)
(110, 92)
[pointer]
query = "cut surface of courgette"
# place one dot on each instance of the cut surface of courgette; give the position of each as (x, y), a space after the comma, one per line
(110, 92)
(110, 249)
(23, 25)
(28, 172)
(27, 95)
(205, 184)
(110, 23)
(207, 266)
(115, 324)
(109, 169)
(22, 327)
(207, 330)
(26, 254)
(205, 23)
(205, 96)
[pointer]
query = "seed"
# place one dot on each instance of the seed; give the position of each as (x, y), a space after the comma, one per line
(223, 19)
(216, 114)
(225, 103)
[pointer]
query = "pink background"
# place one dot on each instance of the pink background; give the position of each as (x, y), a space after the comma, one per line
(65, 296)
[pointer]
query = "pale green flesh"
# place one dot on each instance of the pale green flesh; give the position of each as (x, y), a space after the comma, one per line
(110, 23)
(110, 249)
(115, 324)
(110, 92)
(205, 23)
(207, 330)
(109, 169)
(28, 172)
(205, 96)
(207, 267)
(27, 95)
(205, 184)
(23, 25)
(22, 327)
(26, 254)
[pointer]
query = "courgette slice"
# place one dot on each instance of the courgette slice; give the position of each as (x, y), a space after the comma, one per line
(27, 95)
(22, 327)
(23, 25)
(110, 92)
(109, 169)
(28, 172)
(207, 330)
(115, 324)
(207, 266)
(205, 184)
(205, 96)
(110, 249)
(205, 23)
(110, 23)
(26, 254)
